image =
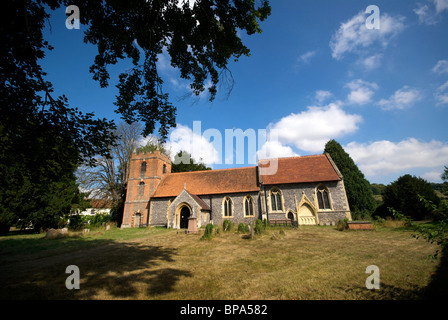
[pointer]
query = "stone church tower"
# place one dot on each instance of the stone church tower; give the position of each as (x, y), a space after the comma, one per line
(145, 172)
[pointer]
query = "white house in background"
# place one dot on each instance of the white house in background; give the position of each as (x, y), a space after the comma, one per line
(102, 206)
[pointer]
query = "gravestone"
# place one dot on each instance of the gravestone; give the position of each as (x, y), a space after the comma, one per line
(251, 229)
(360, 225)
(192, 225)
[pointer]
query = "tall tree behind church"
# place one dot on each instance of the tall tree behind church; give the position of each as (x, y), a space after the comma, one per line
(359, 194)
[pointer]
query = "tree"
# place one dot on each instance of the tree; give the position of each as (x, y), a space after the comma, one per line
(437, 232)
(108, 177)
(404, 194)
(179, 165)
(377, 188)
(182, 162)
(444, 177)
(37, 182)
(152, 145)
(26, 97)
(359, 192)
(199, 39)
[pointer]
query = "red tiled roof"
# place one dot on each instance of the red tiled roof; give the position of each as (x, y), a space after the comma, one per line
(302, 169)
(208, 182)
(201, 202)
(100, 203)
(290, 170)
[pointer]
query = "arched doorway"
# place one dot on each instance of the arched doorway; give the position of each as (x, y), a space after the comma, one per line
(291, 216)
(184, 215)
(137, 220)
(306, 215)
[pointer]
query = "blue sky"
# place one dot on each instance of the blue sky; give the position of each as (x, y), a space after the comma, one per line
(315, 73)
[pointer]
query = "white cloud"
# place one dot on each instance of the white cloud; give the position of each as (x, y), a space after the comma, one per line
(441, 94)
(442, 98)
(274, 149)
(443, 87)
(361, 91)
(385, 157)
(179, 85)
(430, 13)
(306, 57)
(311, 129)
(182, 138)
(425, 14)
(401, 99)
(441, 5)
(371, 62)
(441, 67)
(164, 62)
(322, 96)
(433, 176)
(354, 37)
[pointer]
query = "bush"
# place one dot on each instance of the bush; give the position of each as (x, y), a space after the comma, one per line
(98, 219)
(437, 232)
(362, 215)
(208, 232)
(76, 222)
(342, 225)
(393, 223)
(265, 223)
(259, 227)
(405, 220)
(404, 196)
(226, 225)
(243, 228)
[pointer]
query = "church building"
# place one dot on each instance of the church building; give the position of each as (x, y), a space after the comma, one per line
(307, 190)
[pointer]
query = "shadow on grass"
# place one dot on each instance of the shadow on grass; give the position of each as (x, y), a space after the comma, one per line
(108, 270)
(438, 286)
(386, 292)
(436, 289)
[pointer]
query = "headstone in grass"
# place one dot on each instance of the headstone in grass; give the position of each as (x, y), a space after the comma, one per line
(54, 234)
(251, 229)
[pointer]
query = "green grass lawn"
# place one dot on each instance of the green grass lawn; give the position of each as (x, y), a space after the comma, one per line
(314, 262)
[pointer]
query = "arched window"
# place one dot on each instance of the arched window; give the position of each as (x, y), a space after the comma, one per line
(323, 198)
(276, 200)
(164, 168)
(248, 206)
(141, 188)
(291, 216)
(143, 169)
(227, 207)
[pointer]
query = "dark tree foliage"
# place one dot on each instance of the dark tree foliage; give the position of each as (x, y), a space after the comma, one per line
(41, 133)
(200, 41)
(37, 182)
(404, 194)
(359, 193)
(377, 188)
(25, 95)
(444, 177)
(183, 162)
